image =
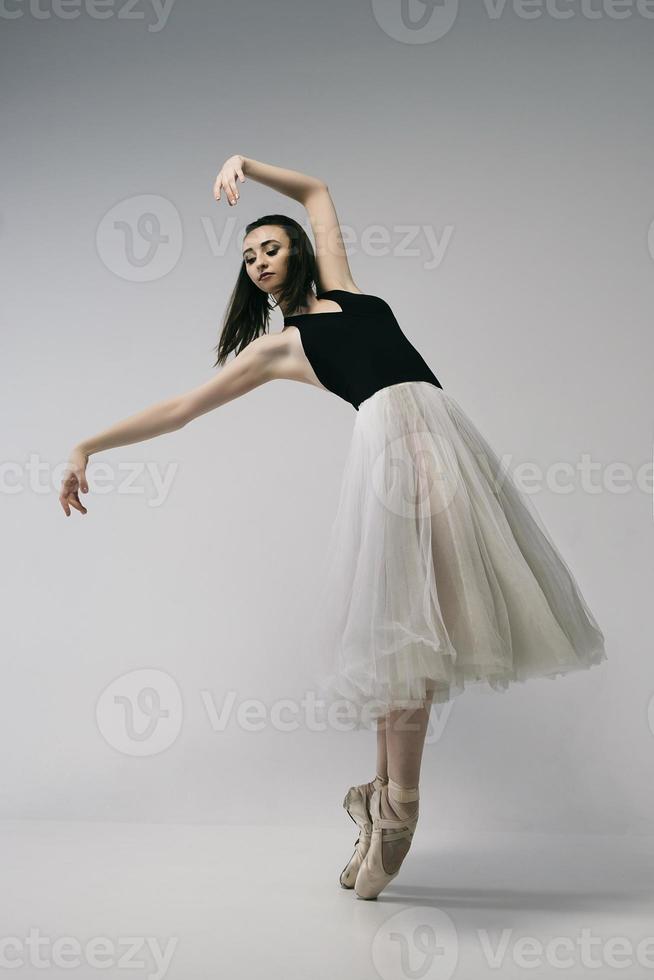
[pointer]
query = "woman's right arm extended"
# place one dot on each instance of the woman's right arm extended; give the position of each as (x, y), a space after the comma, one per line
(256, 364)
(264, 359)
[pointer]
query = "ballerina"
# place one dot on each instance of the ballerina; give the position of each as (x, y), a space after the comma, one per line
(439, 574)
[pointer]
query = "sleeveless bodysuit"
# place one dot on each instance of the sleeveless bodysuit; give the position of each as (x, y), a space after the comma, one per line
(360, 350)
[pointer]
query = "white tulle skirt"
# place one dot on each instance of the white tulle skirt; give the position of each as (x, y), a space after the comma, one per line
(439, 573)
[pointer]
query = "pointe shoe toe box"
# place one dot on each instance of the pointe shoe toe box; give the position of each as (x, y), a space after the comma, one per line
(372, 877)
(355, 806)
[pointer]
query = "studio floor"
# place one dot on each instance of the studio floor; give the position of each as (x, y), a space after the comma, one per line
(198, 902)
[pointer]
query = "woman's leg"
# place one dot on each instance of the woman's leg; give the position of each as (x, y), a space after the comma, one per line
(405, 732)
(382, 752)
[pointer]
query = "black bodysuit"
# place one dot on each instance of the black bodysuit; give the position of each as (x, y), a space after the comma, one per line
(360, 350)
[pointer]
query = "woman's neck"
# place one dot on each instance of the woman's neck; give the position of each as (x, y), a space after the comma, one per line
(309, 305)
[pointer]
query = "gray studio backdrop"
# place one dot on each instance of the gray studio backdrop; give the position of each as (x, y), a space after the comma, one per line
(492, 172)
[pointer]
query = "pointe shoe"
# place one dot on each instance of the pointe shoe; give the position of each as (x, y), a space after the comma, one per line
(372, 877)
(356, 805)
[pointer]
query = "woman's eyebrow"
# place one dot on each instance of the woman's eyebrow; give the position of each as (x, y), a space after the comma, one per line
(267, 242)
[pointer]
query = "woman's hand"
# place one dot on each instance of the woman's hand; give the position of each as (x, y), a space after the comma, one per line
(231, 169)
(74, 479)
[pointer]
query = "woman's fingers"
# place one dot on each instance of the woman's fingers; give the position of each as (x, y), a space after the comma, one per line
(227, 181)
(77, 503)
(65, 503)
(74, 480)
(230, 172)
(69, 496)
(74, 501)
(232, 189)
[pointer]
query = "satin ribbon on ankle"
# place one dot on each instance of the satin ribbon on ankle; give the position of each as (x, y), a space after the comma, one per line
(403, 794)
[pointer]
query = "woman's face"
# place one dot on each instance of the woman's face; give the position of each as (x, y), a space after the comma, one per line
(265, 254)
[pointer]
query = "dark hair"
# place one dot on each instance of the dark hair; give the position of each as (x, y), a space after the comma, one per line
(248, 311)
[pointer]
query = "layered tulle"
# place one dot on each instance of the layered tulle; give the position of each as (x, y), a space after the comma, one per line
(439, 572)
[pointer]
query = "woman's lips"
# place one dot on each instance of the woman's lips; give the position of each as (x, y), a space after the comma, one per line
(265, 275)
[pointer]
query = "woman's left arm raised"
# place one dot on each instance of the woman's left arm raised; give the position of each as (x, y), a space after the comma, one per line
(313, 194)
(292, 183)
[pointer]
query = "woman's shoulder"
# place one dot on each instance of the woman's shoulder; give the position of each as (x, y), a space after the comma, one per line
(340, 287)
(354, 298)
